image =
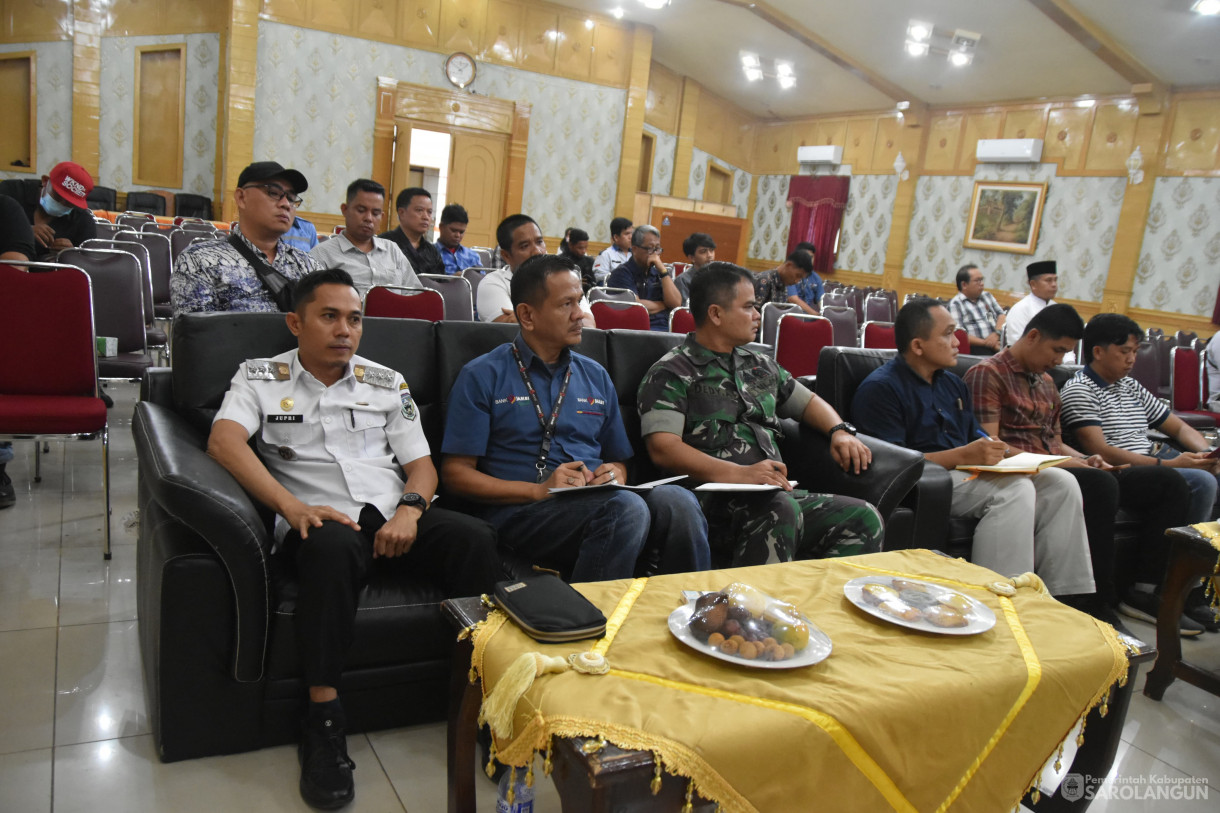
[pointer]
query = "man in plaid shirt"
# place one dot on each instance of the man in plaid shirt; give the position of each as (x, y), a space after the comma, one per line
(977, 312)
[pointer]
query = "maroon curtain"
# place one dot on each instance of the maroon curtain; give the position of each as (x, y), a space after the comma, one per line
(1216, 312)
(817, 212)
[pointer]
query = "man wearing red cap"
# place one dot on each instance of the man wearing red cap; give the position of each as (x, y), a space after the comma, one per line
(57, 210)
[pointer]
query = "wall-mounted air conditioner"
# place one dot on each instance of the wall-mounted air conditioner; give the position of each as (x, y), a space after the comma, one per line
(1009, 150)
(819, 155)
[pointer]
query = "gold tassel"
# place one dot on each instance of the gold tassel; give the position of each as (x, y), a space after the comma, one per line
(655, 785)
(512, 786)
(1080, 736)
(490, 768)
(1059, 759)
(1034, 796)
(689, 806)
(547, 765)
(499, 705)
(529, 774)
(1105, 707)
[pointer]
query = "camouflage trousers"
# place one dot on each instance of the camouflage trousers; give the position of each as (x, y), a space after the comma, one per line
(755, 529)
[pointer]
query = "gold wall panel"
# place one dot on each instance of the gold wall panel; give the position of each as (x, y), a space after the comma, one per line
(831, 131)
(503, 32)
(376, 17)
(419, 22)
(1025, 123)
(611, 55)
(19, 101)
(86, 87)
(978, 125)
(774, 149)
(574, 47)
(425, 104)
(1194, 136)
(538, 37)
(1067, 129)
(24, 21)
(1113, 137)
(332, 14)
(462, 25)
(160, 108)
(858, 148)
(664, 98)
(287, 11)
(724, 130)
(944, 137)
(888, 145)
(131, 18)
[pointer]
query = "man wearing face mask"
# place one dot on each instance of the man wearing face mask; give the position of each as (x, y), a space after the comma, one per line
(57, 210)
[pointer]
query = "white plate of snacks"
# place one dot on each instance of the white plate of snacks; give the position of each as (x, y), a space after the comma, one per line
(744, 626)
(919, 605)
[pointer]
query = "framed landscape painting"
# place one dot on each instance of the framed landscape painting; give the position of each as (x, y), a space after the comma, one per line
(1005, 216)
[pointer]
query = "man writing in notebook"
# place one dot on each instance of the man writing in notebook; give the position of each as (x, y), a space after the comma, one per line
(1016, 400)
(1025, 522)
(711, 409)
(532, 416)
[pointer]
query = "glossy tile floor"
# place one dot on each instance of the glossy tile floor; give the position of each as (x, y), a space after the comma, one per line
(74, 729)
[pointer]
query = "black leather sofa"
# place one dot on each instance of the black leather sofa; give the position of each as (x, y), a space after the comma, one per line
(840, 373)
(215, 611)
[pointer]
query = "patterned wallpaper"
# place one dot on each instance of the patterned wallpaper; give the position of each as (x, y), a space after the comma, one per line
(1079, 222)
(1179, 268)
(866, 223)
(53, 84)
(314, 109)
(663, 154)
(769, 228)
(116, 126)
(698, 180)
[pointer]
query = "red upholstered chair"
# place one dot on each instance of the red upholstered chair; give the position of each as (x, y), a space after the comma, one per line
(610, 315)
(963, 341)
(799, 340)
(404, 303)
(339, 229)
(600, 292)
(457, 293)
(1186, 389)
(48, 390)
(681, 320)
(771, 313)
(878, 336)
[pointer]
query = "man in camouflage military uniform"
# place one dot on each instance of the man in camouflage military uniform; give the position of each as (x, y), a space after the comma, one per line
(711, 409)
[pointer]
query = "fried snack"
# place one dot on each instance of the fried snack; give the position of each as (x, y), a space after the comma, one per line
(876, 594)
(944, 616)
(729, 647)
(899, 609)
(906, 584)
(957, 602)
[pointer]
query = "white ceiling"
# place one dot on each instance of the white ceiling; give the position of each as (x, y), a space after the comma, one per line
(1023, 53)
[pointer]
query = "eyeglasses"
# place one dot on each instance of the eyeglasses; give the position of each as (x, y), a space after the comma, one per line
(277, 193)
(656, 250)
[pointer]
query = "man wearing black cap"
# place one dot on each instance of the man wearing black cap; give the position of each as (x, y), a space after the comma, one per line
(57, 210)
(1043, 285)
(254, 269)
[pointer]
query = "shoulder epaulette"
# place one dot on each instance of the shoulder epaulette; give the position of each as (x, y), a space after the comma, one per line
(267, 370)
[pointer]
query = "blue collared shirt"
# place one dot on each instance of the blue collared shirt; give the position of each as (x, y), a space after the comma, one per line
(459, 259)
(646, 285)
(492, 418)
(895, 404)
(302, 235)
(808, 289)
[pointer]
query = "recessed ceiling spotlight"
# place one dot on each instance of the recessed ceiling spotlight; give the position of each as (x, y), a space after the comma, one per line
(919, 31)
(960, 59)
(754, 74)
(750, 60)
(617, 13)
(589, 24)
(917, 48)
(1209, 7)
(783, 68)
(786, 82)
(655, 5)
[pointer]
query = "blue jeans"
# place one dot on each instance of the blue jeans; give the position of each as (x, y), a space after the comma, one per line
(1203, 485)
(6, 452)
(597, 536)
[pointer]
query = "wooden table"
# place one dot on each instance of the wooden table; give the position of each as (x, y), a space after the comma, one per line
(1191, 557)
(600, 777)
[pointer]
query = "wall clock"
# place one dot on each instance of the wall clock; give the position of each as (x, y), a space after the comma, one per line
(460, 69)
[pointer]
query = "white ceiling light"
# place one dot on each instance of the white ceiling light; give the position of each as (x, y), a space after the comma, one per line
(589, 25)
(958, 46)
(919, 31)
(917, 48)
(616, 13)
(749, 60)
(655, 5)
(960, 59)
(1209, 7)
(751, 65)
(786, 82)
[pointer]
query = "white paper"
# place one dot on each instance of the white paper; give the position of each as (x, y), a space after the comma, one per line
(741, 486)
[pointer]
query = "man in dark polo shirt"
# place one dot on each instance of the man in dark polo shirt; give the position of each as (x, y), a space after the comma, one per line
(414, 207)
(57, 210)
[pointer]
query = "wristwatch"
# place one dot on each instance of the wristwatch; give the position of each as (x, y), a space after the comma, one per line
(845, 426)
(413, 500)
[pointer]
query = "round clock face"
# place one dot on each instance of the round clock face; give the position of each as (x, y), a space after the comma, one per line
(459, 68)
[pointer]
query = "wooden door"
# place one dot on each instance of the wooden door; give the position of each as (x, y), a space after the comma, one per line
(476, 181)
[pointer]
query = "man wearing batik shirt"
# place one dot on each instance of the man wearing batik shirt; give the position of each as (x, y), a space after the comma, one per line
(711, 409)
(772, 286)
(976, 311)
(218, 275)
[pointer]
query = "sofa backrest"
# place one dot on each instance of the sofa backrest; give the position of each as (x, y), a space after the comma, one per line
(632, 352)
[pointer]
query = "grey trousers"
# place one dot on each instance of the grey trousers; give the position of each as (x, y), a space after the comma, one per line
(1028, 523)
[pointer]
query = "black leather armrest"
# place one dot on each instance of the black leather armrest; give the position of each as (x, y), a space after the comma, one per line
(930, 500)
(197, 491)
(893, 472)
(157, 386)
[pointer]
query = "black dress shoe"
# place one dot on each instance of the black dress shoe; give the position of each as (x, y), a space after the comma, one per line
(326, 769)
(8, 494)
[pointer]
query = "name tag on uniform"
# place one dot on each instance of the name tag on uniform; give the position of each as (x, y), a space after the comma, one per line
(264, 370)
(285, 418)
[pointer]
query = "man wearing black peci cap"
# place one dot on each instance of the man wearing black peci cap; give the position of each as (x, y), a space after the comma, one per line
(254, 269)
(1043, 285)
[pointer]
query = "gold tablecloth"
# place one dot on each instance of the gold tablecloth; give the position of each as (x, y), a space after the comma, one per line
(892, 720)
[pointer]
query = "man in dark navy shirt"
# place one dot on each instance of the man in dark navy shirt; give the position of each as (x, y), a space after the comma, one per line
(532, 417)
(647, 277)
(1025, 523)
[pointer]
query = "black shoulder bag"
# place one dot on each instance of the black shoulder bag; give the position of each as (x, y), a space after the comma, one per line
(278, 286)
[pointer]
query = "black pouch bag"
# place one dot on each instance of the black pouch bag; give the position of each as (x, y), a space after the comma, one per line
(278, 286)
(549, 609)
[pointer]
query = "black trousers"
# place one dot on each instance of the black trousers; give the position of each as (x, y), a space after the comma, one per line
(333, 564)
(1158, 497)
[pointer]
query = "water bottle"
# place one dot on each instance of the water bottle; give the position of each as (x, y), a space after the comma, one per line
(523, 795)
